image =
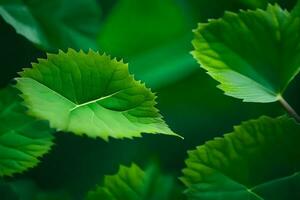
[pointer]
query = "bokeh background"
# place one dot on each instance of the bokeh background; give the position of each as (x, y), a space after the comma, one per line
(154, 36)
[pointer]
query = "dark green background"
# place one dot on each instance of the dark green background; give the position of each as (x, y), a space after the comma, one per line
(190, 102)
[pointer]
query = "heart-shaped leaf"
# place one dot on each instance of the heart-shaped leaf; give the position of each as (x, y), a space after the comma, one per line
(253, 54)
(23, 139)
(132, 183)
(259, 160)
(55, 24)
(92, 94)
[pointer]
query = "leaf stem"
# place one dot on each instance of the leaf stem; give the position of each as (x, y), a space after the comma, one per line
(289, 109)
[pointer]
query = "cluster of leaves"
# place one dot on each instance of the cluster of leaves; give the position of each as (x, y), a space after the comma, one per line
(253, 54)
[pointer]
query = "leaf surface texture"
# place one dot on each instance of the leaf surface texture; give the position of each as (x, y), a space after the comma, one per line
(253, 54)
(259, 160)
(23, 139)
(92, 94)
(132, 183)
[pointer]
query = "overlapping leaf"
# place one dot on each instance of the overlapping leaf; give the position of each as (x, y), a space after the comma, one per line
(23, 139)
(253, 54)
(54, 24)
(132, 183)
(259, 160)
(90, 94)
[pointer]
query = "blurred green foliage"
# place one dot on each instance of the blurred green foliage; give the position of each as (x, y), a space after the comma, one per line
(133, 183)
(54, 24)
(23, 138)
(155, 38)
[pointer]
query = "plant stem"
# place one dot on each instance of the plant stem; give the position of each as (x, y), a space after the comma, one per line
(289, 109)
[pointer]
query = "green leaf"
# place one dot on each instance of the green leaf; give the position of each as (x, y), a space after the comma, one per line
(253, 54)
(259, 160)
(92, 94)
(55, 24)
(23, 139)
(132, 183)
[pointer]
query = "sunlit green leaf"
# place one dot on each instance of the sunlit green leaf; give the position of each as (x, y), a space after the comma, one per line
(54, 24)
(90, 94)
(132, 183)
(259, 160)
(253, 54)
(23, 139)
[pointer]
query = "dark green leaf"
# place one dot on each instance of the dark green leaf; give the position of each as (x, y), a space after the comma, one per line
(132, 183)
(252, 162)
(22, 138)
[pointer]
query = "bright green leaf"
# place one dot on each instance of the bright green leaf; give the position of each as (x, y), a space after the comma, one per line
(90, 94)
(23, 139)
(132, 183)
(55, 24)
(259, 160)
(253, 54)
